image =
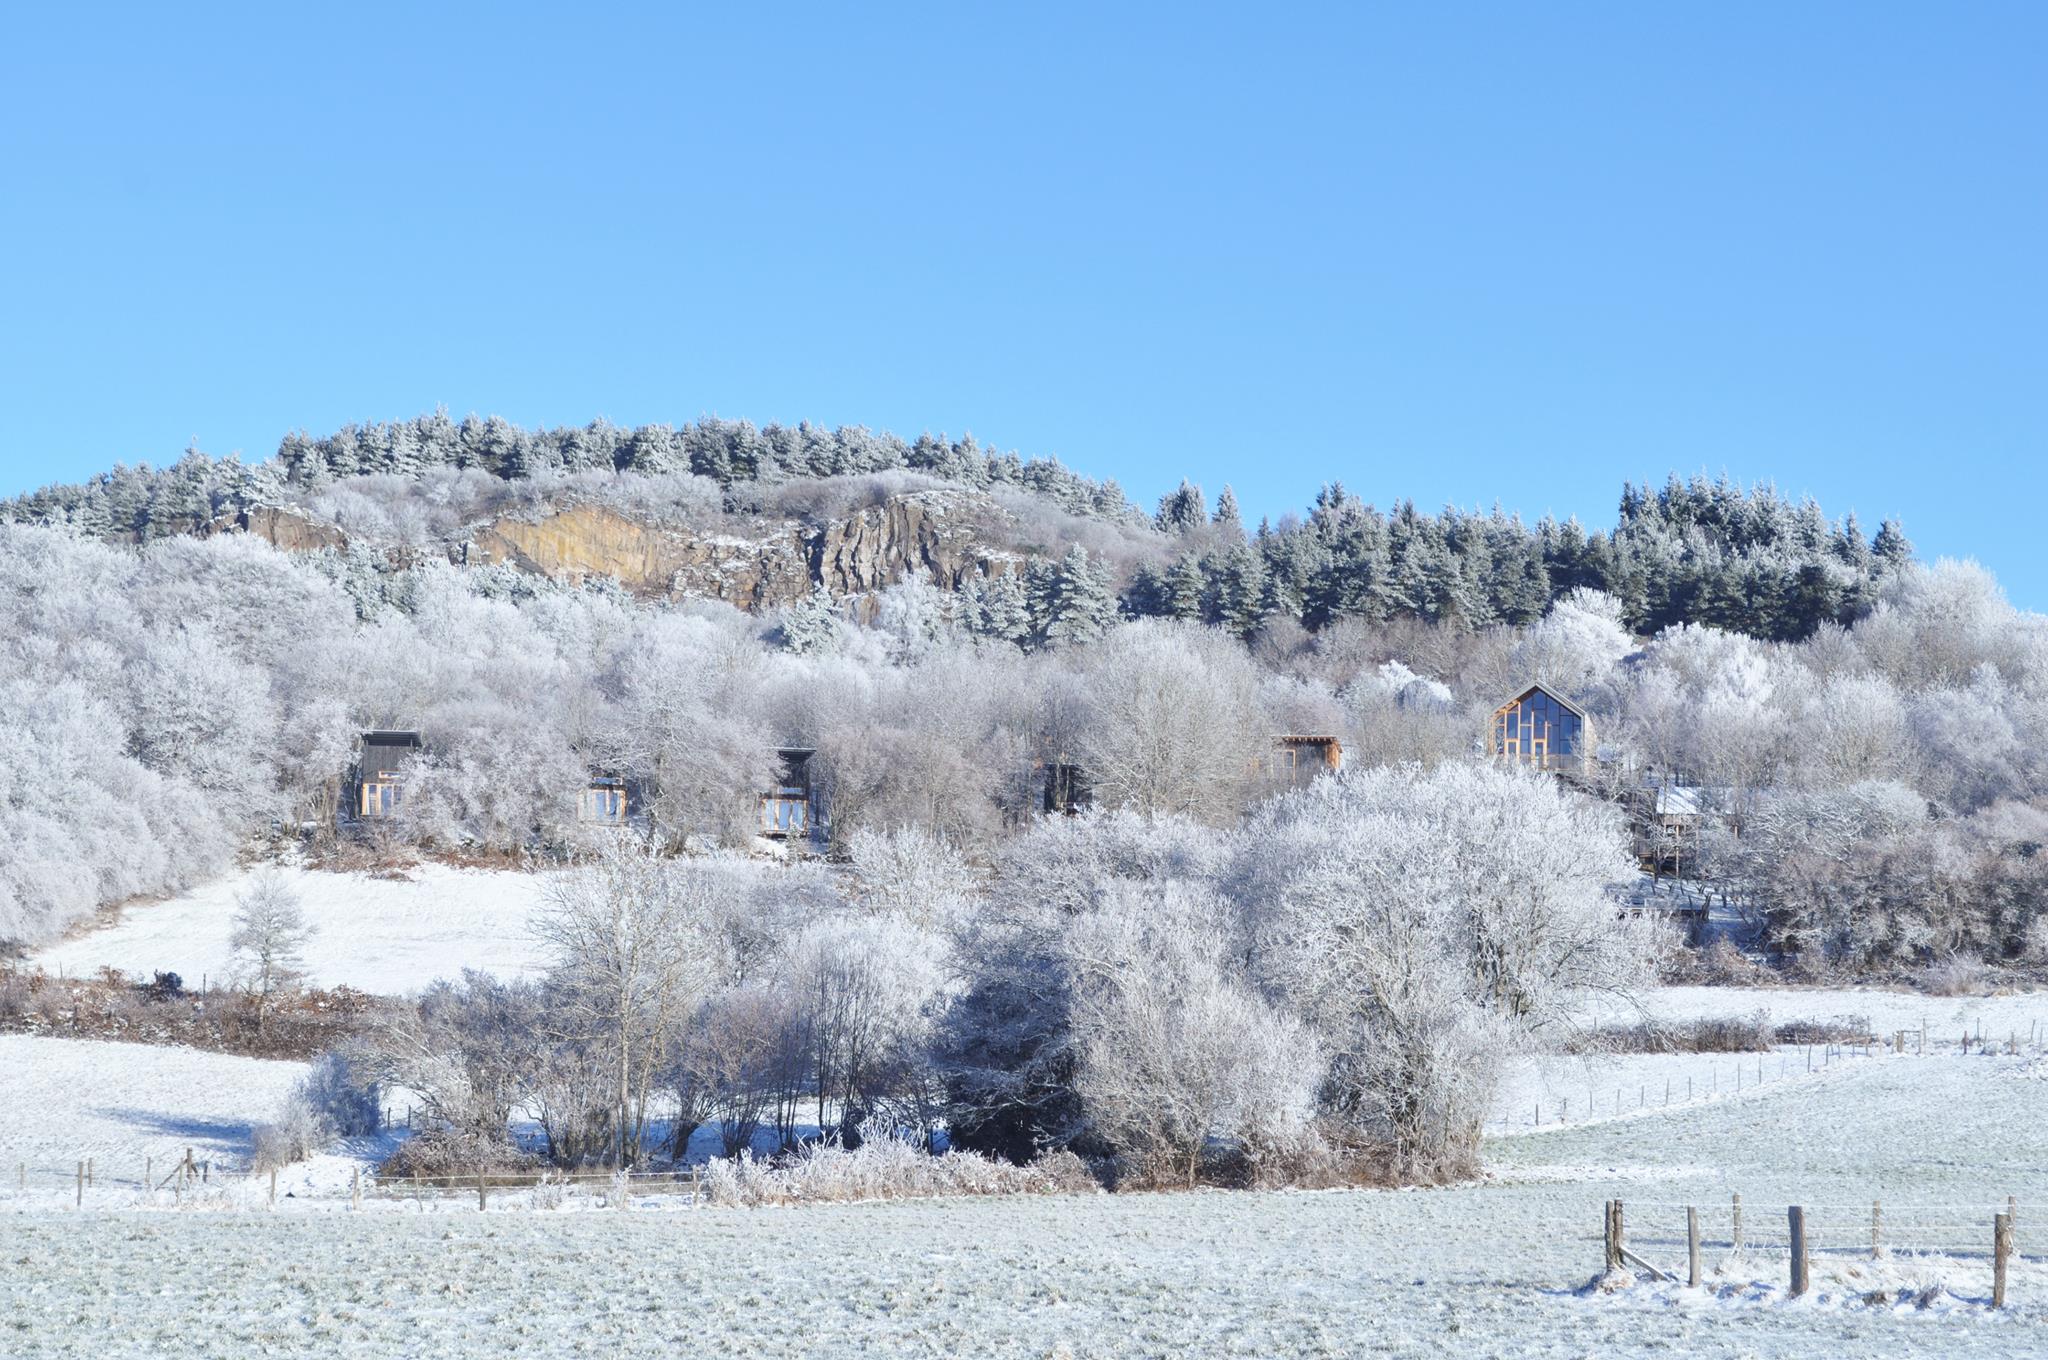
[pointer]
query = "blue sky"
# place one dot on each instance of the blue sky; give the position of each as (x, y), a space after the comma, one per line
(1464, 254)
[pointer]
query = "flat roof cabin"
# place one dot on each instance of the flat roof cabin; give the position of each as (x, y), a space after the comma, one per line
(786, 809)
(381, 758)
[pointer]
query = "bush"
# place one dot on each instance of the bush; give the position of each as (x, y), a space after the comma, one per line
(1840, 1029)
(1737, 1034)
(887, 1165)
(343, 1090)
(1954, 976)
(451, 1157)
(294, 1135)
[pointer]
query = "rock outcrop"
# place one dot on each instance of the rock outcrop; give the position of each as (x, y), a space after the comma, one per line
(943, 536)
(938, 536)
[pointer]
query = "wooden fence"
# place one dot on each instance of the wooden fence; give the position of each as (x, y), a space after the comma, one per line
(1953, 1232)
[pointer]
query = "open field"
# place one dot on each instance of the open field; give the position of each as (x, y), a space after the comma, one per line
(387, 935)
(1487, 1269)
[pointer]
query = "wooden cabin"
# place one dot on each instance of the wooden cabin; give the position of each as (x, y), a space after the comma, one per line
(786, 810)
(381, 760)
(1540, 729)
(1298, 759)
(602, 802)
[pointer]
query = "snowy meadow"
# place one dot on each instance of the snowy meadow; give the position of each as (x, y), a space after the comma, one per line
(1496, 1267)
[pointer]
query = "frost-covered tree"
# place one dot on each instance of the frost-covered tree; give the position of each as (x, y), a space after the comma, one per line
(268, 937)
(1170, 721)
(631, 959)
(1419, 922)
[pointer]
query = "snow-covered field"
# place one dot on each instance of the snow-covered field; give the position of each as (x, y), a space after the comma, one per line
(1495, 1268)
(374, 934)
(65, 1100)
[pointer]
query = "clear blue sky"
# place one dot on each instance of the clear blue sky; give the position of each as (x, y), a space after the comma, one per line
(1460, 253)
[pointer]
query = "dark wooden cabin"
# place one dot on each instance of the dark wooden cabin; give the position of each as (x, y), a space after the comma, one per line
(1541, 730)
(787, 810)
(381, 760)
(1298, 759)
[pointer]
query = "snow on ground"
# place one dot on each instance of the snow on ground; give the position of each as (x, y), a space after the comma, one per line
(1555, 1088)
(65, 1100)
(1497, 1268)
(375, 934)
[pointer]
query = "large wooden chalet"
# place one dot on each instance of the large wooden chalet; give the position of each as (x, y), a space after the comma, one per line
(1540, 729)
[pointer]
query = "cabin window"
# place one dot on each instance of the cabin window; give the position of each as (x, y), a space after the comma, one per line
(786, 812)
(603, 803)
(380, 797)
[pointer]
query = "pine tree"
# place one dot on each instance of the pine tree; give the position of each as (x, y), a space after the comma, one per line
(810, 626)
(1182, 510)
(1891, 548)
(1075, 603)
(1186, 585)
(1229, 523)
(1240, 591)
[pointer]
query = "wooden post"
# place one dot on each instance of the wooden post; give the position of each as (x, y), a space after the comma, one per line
(1613, 1234)
(481, 1203)
(273, 1187)
(1797, 1217)
(1877, 1230)
(1692, 1247)
(1738, 1221)
(81, 1185)
(355, 1189)
(2001, 1248)
(21, 1173)
(1667, 1090)
(149, 1175)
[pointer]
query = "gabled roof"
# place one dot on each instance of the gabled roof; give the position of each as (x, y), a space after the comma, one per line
(390, 737)
(1554, 696)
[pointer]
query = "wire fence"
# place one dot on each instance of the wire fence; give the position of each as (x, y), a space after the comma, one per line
(1713, 1075)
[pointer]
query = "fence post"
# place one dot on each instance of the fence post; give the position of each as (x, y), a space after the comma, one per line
(481, 1202)
(1692, 1247)
(355, 1189)
(1612, 1241)
(149, 1176)
(81, 1185)
(2001, 1247)
(1877, 1230)
(1797, 1218)
(21, 1173)
(273, 1187)
(1738, 1222)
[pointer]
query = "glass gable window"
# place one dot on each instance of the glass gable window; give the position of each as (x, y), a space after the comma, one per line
(1538, 730)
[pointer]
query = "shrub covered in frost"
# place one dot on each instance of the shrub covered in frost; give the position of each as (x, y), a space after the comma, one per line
(886, 1165)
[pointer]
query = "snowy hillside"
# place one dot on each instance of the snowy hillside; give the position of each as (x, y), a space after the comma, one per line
(375, 934)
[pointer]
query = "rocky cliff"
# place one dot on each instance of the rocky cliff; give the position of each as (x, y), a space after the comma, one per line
(760, 564)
